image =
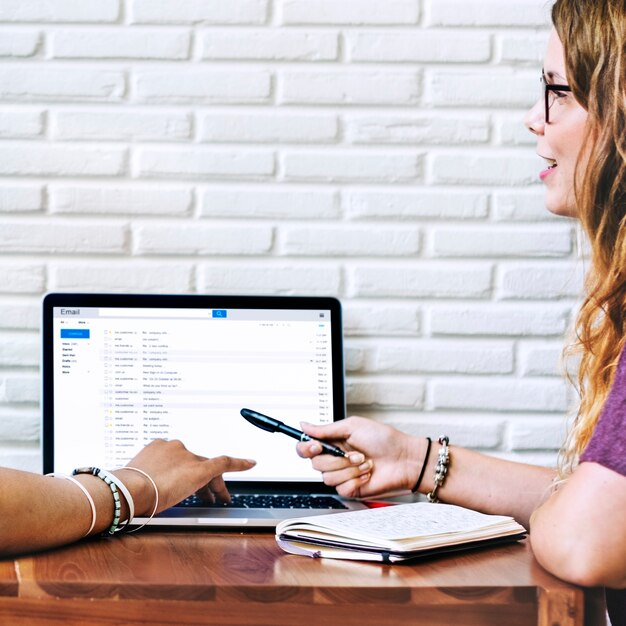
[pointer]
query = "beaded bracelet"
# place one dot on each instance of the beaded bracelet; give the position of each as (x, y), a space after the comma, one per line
(441, 469)
(117, 506)
(126, 493)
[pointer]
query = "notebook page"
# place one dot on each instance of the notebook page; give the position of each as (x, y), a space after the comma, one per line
(395, 523)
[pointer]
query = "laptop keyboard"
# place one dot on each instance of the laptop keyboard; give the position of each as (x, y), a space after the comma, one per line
(278, 501)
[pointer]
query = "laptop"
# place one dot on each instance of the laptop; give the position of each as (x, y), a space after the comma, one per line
(120, 370)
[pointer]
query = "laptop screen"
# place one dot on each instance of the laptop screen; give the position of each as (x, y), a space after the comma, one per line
(120, 371)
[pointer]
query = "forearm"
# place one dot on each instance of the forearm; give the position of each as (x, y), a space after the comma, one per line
(39, 512)
(488, 484)
(578, 533)
(384, 459)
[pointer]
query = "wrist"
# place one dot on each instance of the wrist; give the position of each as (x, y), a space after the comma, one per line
(418, 450)
(422, 471)
(140, 490)
(103, 501)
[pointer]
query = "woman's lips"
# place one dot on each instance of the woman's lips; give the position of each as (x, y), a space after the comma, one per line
(545, 173)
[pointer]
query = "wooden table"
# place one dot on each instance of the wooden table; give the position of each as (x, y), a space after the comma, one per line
(233, 578)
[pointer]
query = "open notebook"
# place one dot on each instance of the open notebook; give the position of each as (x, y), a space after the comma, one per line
(396, 534)
(120, 370)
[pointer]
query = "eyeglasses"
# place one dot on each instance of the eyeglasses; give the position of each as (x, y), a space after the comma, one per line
(551, 93)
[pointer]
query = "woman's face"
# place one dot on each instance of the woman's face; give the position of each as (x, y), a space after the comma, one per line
(560, 141)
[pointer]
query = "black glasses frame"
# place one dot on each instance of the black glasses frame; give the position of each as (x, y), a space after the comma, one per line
(547, 88)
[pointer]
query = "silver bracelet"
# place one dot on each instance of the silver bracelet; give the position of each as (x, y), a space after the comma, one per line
(441, 469)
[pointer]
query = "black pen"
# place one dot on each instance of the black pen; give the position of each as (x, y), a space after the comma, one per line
(272, 425)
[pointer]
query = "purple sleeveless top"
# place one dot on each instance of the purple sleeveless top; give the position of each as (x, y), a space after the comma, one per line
(608, 448)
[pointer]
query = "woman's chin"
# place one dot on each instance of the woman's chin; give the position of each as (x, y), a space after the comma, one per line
(562, 209)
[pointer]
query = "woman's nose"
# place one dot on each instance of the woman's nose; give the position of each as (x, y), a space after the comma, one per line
(534, 119)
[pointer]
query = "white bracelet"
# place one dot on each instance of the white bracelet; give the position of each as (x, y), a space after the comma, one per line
(84, 490)
(156, 495)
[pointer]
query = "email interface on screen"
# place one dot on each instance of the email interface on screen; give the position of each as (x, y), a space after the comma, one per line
(126, 376)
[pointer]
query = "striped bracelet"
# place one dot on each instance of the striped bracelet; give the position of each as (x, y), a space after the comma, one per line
(117, 506)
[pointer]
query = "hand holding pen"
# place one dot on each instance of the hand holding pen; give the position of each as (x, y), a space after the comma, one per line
(272, 425)
(379, 458)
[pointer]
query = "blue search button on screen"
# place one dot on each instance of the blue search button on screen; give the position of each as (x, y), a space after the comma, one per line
(219, 313)
(74, 333)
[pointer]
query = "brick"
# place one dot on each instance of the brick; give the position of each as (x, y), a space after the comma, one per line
(443, 357)
(20, 44)
(192, 238)
(25, 458)
(72, 11)
(19, 349)
(21, 198)
(203, 86)
(136, 277)
(21, 124)
(203, 163)
(22, 278)
(14, 316)
(418, 46)
(494, 241)
(396, 393)
(19, 424)
(482, 89)
(499, 395)
(272, 45)
(539, 320)
(502, 169)
(120, 43)
(548, 281)
(349, 12)
(533, 434)
(473, 431)
(274, 127)
(121, 125)
(421, 129)
(19, 389)
(349, 87)
(273, 203)
(510, 131)
(425, 280)
(22, 159)
(270, 278)
(380, 320)
(352, 166)
(541, 359)
(521, 206)
(353, 241)
(354, 358)
(53, 84)
(238, 12)
(62, 236)
(526, 49)
(415, 204)
(487, 13)
(120, 200)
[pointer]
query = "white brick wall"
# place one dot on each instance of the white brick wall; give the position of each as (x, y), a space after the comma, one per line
(364, 149)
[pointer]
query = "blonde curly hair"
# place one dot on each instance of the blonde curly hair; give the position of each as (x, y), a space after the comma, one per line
(593, 34)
